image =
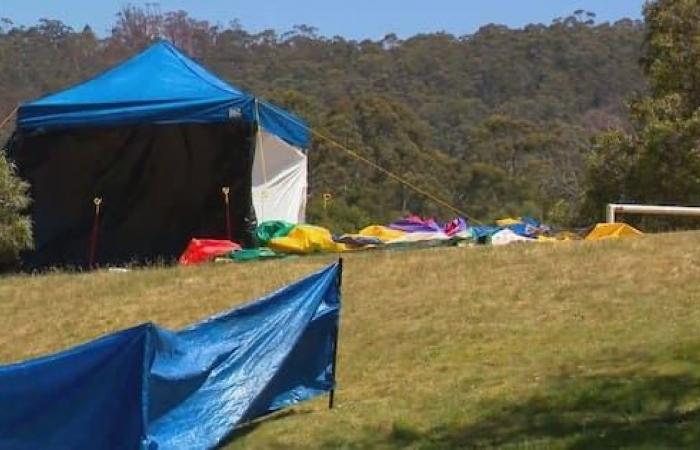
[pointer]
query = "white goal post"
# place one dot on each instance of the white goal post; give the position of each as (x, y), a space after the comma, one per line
(657, 210)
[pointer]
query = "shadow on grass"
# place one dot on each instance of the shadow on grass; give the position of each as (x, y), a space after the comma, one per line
(625, 410)
(250, 427)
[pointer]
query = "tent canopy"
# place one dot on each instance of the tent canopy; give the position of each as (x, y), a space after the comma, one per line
(161, 85)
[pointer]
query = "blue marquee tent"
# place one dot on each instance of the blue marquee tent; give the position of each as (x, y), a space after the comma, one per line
(156, 138)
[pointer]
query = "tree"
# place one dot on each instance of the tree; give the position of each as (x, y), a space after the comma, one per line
(435, 108)
(15, 227)
(659, 162)
(672, 51)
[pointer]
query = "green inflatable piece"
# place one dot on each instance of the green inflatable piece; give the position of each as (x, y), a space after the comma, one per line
(253, 254)
(269, 230)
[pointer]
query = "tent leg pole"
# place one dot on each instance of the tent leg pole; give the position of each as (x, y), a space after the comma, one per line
(226, 190)
(228, 223)
(331, 394)
(93, 236)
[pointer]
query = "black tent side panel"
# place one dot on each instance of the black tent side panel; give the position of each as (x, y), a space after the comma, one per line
(160, 186)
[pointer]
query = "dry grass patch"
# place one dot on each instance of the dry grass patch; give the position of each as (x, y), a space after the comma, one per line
(573, 345)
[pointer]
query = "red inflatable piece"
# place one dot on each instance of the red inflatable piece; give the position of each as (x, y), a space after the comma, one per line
(202, 250)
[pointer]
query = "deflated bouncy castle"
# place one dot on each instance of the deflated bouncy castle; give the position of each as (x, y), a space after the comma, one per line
(278, 239)
(154, 142)
(151, 388)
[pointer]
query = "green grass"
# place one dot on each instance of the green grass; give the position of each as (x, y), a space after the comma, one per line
(572, 346)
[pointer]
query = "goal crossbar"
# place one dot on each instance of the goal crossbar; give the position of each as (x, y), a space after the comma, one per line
(614, 209)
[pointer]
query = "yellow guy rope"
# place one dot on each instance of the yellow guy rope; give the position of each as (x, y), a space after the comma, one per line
(386, 172)
(392, 175)
(9, 116)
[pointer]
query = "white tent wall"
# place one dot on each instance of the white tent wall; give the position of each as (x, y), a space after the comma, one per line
(279, 180)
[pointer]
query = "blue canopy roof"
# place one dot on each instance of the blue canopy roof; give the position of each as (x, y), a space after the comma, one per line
(160, 85)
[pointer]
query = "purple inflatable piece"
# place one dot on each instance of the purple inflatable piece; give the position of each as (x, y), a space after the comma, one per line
(414, 224)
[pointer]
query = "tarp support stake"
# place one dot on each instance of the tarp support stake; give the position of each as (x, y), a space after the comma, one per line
(226, 190)
(93, 238)
(331, 394)
(327, 197)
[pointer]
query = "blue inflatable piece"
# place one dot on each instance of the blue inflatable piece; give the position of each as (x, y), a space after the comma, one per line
(482, 233)
(523, 229)
(161, 85)
(152, 388)
(528, 227)
(531, 221)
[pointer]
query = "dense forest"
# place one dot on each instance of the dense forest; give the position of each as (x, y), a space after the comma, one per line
(497, 122)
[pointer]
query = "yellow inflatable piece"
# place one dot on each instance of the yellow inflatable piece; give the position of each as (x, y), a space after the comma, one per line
(508, 221)
(567, 236)
(612, 231)
(305, 239)
(563, 236)
(384, 234)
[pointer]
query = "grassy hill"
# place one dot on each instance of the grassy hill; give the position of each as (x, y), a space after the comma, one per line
(576, 345)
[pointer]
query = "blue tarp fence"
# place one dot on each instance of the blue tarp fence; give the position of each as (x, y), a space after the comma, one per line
(151, 388)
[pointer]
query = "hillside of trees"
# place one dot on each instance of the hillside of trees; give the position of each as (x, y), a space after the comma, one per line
(497, 122)
(657, 158)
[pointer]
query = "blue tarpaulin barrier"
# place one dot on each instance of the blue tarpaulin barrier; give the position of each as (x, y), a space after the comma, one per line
(152, 388)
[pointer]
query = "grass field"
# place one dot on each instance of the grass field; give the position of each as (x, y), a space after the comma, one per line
(574, 345)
